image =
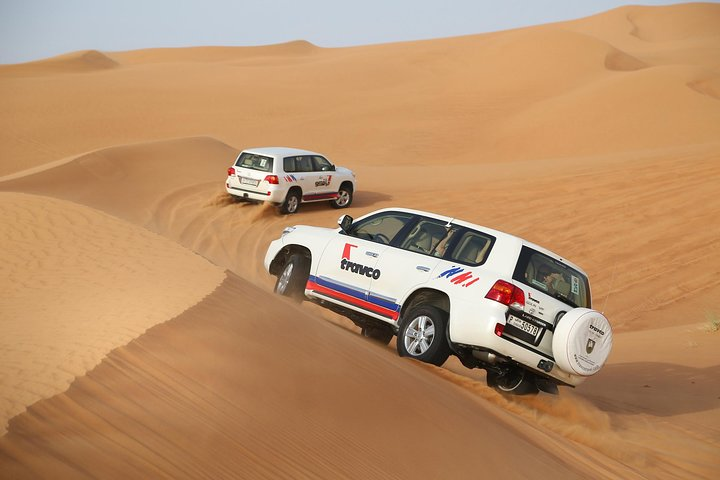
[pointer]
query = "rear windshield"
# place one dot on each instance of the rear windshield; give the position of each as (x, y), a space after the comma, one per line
(553, 277)
(254, 161)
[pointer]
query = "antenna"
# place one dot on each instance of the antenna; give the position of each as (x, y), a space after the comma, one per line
(612, 281)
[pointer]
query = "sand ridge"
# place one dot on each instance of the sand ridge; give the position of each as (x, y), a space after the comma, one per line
(77, 283)
(597, 138)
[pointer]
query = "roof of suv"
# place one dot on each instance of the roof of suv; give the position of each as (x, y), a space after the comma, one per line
(280, 151)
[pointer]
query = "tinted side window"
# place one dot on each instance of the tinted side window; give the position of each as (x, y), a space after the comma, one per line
(472, 248)
(304, 164)
(321, 164)
(380, 228)
(289, 164)
(425, 236)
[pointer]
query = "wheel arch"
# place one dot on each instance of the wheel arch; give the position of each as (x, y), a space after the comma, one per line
(426, 296)
(278, 263)
(295, 188)
(349, 184)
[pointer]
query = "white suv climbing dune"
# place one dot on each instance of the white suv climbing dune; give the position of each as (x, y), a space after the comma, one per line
(448, 287)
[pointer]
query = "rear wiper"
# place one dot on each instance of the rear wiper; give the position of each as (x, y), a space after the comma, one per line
(563, 298)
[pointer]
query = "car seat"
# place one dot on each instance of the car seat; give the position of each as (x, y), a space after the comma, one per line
(424, 237)
(473, 249)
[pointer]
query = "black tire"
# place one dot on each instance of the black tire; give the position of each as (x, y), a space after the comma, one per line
(516, 381)
(380, 334)
(292, 279)
(345, 196)
(422, 335)
(291, 203)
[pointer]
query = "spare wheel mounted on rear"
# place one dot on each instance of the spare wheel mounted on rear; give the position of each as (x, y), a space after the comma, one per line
(582, 341)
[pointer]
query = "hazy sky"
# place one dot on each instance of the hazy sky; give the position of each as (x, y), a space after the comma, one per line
(34, 29)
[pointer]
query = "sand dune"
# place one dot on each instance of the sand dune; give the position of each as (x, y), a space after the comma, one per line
(286, 403)
(597, 138)
(413, 101)
(77, 62)
(77, 283)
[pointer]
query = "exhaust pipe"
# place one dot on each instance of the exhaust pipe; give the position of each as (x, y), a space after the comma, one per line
(485, 357)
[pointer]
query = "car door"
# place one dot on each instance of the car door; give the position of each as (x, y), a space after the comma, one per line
(311, 181)
(302, 173)
(409, 265)
(326, 183)
(348, 263)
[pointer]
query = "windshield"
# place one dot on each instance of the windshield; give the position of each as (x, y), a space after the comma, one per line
(254, 161)
(553, 277)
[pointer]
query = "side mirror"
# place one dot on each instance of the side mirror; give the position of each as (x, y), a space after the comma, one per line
(332, 168)
(345, 222)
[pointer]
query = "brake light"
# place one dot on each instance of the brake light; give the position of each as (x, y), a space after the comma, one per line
(272, 179)
(507, 294)
(231, 171)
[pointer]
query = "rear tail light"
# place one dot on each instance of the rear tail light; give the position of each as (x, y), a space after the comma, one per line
(231, 171)
(272, 179)
(507, 294)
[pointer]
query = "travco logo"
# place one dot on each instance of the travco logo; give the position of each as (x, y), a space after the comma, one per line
(346, 264)
(593, 327)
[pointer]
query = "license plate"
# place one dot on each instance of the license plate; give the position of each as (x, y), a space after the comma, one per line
(249, 181)
(526, 327)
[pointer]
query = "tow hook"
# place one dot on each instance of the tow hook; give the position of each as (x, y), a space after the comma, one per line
(545, 365)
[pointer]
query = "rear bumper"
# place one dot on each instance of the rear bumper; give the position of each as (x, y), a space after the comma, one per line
(270, 195)
(474, 327)
(530, 358)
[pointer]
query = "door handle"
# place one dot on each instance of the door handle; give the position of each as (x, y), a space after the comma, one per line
(372, 254)
(422, 268)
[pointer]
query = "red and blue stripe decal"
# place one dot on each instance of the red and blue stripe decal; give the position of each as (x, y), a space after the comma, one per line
(351, 296)
(321, 196)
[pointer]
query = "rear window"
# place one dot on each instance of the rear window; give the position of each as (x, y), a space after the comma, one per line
(254, 161)
(553, 277)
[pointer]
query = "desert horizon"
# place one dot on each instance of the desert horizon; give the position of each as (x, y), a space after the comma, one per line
(139, 332)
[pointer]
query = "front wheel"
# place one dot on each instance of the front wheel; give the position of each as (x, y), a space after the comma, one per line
(422, 335)
(344, 198)
(291, 281)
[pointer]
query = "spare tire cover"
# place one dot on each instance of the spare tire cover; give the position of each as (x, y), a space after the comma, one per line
(582, 341)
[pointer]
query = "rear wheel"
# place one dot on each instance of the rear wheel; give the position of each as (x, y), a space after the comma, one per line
(344, 198)
(291, 281)
(291, 203)
(516, 381)
(422, 335)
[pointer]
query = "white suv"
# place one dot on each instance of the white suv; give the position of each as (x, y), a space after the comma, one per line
(288, 176)
(445, 286)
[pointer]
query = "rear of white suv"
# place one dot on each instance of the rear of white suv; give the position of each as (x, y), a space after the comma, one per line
(287, 177)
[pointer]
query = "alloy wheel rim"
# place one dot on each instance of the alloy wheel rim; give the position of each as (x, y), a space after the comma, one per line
(419, 335)
(292, 204)
(343, 198)
(284, 280)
